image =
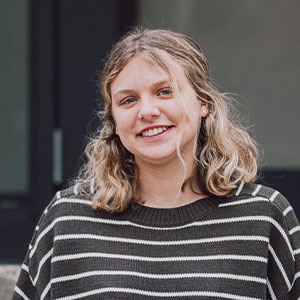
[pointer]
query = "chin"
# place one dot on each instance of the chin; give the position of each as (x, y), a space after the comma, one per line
(158, 158)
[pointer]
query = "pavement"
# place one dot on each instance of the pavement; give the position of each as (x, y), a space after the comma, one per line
(8, 277)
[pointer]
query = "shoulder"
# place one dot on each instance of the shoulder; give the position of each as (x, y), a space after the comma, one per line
(260, 200)
(257, 193)
(66, 204)
(256, 199)
(267, 207)
(69, 202)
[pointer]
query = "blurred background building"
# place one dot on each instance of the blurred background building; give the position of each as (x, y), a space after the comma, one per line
(51, 51)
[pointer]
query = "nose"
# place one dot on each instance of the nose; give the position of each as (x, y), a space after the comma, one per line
(148, 109)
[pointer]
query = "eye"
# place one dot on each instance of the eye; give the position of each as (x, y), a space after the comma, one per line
(128, 101)
(165, 92)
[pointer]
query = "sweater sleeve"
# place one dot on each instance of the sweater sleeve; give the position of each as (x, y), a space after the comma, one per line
(34, 279)
(283, 282)
(25, 288)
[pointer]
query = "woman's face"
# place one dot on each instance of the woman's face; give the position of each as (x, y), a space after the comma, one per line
(148, 118)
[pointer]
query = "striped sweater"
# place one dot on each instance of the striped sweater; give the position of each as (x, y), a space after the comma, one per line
(246, 247)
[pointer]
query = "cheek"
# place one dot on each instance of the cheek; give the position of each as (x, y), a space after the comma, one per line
(123, 123)
(173, 111)
(126, 140)
(194, 117)
(191, 109)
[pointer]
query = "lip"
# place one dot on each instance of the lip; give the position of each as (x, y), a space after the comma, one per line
(152, 127)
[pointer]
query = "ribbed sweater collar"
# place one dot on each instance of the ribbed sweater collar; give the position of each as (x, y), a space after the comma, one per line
(171, 216)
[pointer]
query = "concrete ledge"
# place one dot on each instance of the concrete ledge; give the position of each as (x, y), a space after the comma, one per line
(8, 277)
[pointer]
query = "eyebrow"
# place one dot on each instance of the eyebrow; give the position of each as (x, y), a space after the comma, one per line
(129, 91)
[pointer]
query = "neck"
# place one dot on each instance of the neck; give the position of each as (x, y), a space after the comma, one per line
(161, 184)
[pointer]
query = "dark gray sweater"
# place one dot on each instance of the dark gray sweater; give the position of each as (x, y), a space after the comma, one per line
(245, 247)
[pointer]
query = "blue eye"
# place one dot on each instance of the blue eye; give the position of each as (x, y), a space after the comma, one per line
(165, 92)
(129, 100)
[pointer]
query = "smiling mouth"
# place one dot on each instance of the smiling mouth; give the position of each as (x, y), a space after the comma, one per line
(155, 131)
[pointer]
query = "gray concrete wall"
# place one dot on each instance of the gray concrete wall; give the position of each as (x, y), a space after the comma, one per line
(8, 276)
(253, 49)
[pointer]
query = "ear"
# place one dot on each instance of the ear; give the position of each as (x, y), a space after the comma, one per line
(204, 108)
(117, 131)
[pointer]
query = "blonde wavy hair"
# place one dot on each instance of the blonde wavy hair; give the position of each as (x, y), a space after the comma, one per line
(225, 154)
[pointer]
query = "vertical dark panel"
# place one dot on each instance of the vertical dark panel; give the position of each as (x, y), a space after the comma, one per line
(87, 32)
(42, 108)
(127, 15)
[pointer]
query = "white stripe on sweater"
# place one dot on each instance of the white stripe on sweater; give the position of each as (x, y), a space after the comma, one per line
(245, 201)
(297, 251)
(274, 195)
(256, 190)
(42, 261)
(297, 275)
(45, 291)
(159, 276)
(271, 290)
(161, 243)
(280, 267)
(21, 293)
(295, 229)
(157, 294)
(25, 268)
(75, 189)
(67, 200)
(287, 210)
(58, 195)
(158, 259)
(240, 188)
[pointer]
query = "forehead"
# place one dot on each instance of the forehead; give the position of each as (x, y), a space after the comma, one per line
(140, 72)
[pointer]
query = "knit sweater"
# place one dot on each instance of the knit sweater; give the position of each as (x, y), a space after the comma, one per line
(246, 247)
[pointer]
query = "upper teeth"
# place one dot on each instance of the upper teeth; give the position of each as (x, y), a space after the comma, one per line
(154, 131)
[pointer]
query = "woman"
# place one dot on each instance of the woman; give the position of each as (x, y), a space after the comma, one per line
(170, 179)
